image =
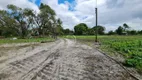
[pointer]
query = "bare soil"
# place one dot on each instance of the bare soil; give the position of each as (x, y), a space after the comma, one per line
(61, 60)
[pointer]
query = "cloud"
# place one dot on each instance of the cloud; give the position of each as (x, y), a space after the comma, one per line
(19, 3)
(111, 13)
(68, 17)
(115, 3)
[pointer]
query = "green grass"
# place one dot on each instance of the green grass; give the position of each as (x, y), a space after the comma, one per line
(9, 40)
(130, 47)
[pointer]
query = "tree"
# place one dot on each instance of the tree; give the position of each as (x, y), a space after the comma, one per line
(133, 32)
(68, 32)
(7, 24)
(140, 32)
(91, 31)
(81, 29)
(29, 17)
(16, 21)
(120, 30)
(45, 20)
(17, 14)
(111, 32)
(100, 29)
(23, 19)
(125, 26)
(59, 28)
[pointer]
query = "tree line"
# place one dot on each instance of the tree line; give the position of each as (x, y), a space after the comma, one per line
(15, 21)
(125, 29)
(23, 23)
(83, 29)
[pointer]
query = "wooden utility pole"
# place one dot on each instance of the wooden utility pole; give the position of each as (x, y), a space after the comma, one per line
(96, 10)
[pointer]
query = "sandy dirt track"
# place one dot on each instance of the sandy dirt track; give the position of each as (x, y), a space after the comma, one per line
(61, 60)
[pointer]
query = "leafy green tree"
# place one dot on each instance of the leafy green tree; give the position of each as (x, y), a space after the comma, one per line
(81, 29)
(59, 28)
(47, 19)
(20, 22)
(91, 31)
(100, 29)
(46, 22)
(133, 32)
(7, 24)
(68, 32)
(125, 26)
(29, 17)
(17, 14)
(111, 32)
(23, 19)
(120, 30)
(140, 32)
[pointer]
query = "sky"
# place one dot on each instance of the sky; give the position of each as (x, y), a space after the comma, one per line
(111, 13)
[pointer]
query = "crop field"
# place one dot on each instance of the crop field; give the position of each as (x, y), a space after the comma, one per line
(130, 47)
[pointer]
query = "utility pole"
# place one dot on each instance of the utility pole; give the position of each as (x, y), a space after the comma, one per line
(96, 11)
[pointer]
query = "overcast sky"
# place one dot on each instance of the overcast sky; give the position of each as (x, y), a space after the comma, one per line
(112, 13)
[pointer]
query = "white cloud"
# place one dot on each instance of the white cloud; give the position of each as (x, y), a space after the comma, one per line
(68, 17)
(19, 3)
(112, 13)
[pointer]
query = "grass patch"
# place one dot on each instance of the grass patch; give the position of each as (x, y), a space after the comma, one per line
(8, 40)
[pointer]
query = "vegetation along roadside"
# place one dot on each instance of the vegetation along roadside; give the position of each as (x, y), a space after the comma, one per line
(128, 47)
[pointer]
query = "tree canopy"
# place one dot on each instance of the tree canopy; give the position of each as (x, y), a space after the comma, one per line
(25, 22)
(100, 29)
(20, 22)
(81, 29)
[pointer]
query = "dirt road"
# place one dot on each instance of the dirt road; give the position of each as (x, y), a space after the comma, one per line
(61, 60)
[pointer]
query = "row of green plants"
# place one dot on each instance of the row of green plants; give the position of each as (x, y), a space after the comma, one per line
(128, 46)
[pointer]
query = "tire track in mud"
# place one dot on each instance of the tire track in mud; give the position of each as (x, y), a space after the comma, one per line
(66, 60)
(23, 67)
(48, 67)
(32, 72)
(63, 69)
(52, 69)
